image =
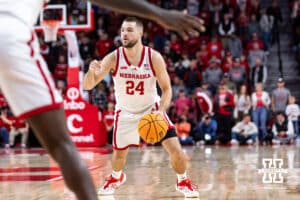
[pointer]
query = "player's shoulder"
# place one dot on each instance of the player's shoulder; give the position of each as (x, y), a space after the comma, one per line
(154, 53)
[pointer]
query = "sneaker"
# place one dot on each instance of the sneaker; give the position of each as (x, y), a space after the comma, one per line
(234, 142)
(111, 184)
(275, 142)
(249, 142)
(185, 187)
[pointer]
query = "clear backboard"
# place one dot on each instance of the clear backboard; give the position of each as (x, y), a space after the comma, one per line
(72, 15)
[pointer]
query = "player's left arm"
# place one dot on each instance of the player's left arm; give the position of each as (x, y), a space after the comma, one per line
(163, 79)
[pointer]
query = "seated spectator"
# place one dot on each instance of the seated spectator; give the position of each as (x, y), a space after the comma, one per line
(228, 83)
(224, 113)
(256, 53)
(19, 127)
(260, 104)
(259, 73)
(4, 136)
(213, 75)
(266, 25)
(253, 27)
(182, 103)
(235, 46)
(214, 48)
(283, 130)
(192, 76)
(255, 40)
(206, 131)
(203, 54)
(61, 68)
(226, 29)
(237, 73)
(227, 62)
(61, 87)
(242, 103)
(244, 131)
(103, 45)
(245, 64)
(176, 87)
(293, 112)
(280, 97)
(242, 23)
(183, 128)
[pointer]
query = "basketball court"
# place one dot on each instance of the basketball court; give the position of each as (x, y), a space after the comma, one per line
(219, 172)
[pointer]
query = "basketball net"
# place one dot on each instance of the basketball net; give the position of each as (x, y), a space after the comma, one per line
(50, 29)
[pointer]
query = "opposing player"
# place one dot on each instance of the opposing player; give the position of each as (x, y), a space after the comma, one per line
(27, 85)
(136, 69)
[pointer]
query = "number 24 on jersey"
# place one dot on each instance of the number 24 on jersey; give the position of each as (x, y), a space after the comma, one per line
(133, 89)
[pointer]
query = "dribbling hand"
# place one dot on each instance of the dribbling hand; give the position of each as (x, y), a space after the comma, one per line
(95, 67)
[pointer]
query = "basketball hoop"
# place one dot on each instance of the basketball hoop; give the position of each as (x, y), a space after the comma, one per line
(50, 29)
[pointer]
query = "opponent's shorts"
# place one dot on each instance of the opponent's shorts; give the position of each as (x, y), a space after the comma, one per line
(126, 128)
(24, 76)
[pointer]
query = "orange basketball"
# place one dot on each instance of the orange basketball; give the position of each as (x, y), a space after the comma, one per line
(152, 128)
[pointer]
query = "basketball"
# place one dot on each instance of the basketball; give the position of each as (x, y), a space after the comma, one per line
(152, 128)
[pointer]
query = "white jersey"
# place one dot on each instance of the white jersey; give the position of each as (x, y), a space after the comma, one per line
(26, 10)
(135, 86)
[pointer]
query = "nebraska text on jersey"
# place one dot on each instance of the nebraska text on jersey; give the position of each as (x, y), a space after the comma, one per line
(135, 76)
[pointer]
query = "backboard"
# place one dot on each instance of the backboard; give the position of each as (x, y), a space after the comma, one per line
(74, 15)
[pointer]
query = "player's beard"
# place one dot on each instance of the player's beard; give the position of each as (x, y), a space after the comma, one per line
(130, 44)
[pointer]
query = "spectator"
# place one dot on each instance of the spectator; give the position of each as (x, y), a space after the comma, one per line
(182, 103)
(19, 127)
(99, 96)
(224, 113)
(274, 10)
(242, 23)
(215, 9)
(5, 123)
(103, 45)
(203, 54)
(283, 130)
(259, 73)
(235, 46)
(108, 120)
(280, 97)
(227, 62)
(176, 87)
(226, 29)
(255, 40)
(183, 128)
(245, 64)
(242, 4)
(213, 75)
(61, 87)
(260, 103)
(253, 27)
(244, 131)
(254, 54)
(214, 48)
(204, 99)
(228, 83)
(86, 47)
(206, 131)
(266, 24)
(242, 103)
(237, 73)
(192, 77)
(61, 68)
(293, 112)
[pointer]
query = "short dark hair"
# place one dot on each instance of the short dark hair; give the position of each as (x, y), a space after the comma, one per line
(134, 19)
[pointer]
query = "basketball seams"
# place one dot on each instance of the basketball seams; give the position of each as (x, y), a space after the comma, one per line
(153, 122)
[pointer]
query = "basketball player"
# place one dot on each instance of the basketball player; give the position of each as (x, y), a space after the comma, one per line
(27, 84)
(135, 69)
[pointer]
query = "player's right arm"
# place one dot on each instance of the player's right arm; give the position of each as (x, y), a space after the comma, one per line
(98, 70)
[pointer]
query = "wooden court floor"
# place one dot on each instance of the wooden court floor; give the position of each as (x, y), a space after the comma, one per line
(221, 173)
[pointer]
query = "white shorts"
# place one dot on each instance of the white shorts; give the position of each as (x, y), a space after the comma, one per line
(24, 76)
(126, 127)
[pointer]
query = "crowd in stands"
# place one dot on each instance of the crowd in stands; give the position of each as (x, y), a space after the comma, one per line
(218, 77)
